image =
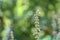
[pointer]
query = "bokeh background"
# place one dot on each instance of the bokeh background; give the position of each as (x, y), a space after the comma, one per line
(18, 16)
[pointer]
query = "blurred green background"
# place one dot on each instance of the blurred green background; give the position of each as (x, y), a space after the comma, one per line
(19, 14)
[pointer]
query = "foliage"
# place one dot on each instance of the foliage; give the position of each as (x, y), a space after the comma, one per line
(21, 12)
